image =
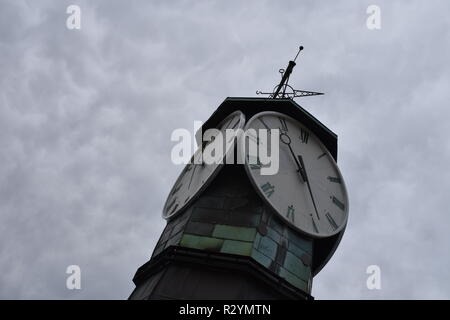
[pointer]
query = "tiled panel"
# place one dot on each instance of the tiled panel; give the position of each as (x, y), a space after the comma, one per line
(281, 254)
(230, 217)
(268, 247)
(274, 235)
(292, 279)
(306, 259)
(237, 247)
(236, 233)
(296, 249)
(299, 241)
(261, 258)
(276, 224)
(257, 240)
(202, 243)
(296, 266)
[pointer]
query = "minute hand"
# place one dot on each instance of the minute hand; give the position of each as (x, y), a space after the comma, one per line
(300, 158)
(287, 140)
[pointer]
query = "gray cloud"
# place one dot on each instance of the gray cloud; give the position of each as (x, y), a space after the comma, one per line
(86, 118)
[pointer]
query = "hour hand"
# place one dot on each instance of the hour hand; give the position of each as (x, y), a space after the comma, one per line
(287, 140)
(300, 159)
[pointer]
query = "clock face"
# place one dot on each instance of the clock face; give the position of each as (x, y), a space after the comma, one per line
(308, 191)
(196, 175)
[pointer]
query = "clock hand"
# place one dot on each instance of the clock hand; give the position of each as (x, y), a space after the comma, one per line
(287, 140)
(301, 167)
(314, 223)
(300, 158)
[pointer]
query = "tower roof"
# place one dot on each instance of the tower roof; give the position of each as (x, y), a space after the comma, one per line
(252, 106)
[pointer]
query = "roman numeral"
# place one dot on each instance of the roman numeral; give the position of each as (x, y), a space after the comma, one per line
(314, 224)
(283, 124)
(291, 213)
(268, 189)
(254, 162)
(334, 179)
(304, 135)
(338, 203)
(173, 209)
(175, 190)
(331, 221)
(186, 170)
(322, 155)
(170, 205)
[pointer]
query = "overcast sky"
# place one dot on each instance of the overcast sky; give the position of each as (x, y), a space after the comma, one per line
(86, 117)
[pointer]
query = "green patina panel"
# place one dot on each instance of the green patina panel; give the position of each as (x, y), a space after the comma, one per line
(300, 242)
(297, 250)
(268, 247)
(292, 279)
(199, 242)
(275, 224)
(261, 258)
(296, 266)
(257, 240)
(234, 233)
(274, 235)
(237, 247)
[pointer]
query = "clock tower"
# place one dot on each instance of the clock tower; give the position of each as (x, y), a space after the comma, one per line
(235, 233)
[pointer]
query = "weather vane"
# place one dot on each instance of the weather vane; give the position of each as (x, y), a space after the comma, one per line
(283, 89)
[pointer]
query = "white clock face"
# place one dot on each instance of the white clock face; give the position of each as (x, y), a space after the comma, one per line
(308, 191)
(196, 176)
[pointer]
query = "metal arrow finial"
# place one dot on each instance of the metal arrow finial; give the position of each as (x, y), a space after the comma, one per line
(299, 49)
(280, 89)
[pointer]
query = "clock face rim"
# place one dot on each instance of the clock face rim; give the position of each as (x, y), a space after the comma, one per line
(216, 170)
(272, 206)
